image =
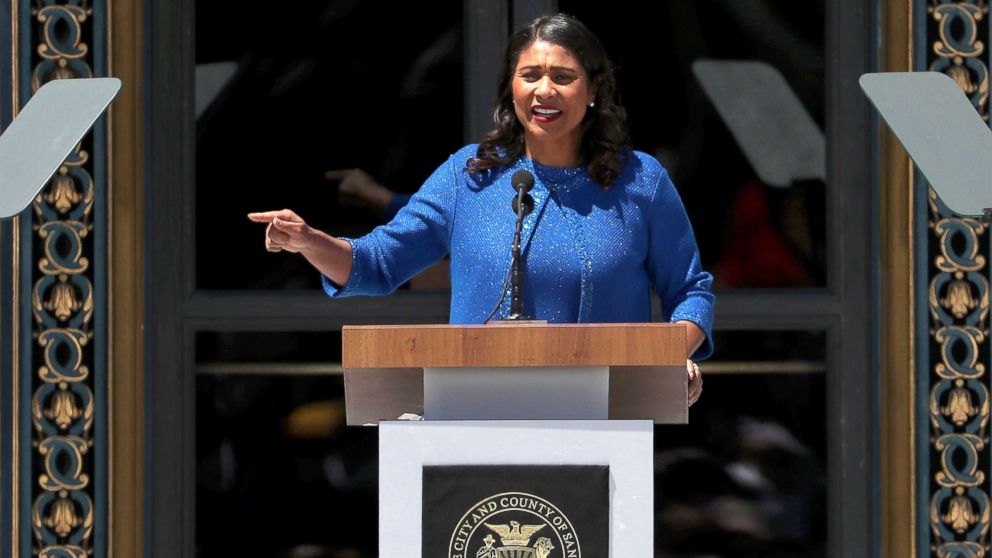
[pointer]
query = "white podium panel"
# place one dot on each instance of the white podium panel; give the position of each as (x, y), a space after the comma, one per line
(625, 446)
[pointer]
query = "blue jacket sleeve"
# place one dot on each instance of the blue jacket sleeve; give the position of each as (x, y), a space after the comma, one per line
(418, 236)
(673, 263)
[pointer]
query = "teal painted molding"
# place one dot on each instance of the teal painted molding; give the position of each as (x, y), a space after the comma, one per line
(952, 278)
(62, 302)
(7, 311)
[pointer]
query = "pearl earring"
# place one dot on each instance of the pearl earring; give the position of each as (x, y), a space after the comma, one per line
(592, 104)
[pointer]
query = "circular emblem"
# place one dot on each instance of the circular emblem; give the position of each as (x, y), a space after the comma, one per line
(514, 525)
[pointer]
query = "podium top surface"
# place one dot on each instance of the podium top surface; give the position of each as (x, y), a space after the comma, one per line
(505, 345)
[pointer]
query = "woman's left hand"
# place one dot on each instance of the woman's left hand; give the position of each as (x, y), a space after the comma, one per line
(695, 381)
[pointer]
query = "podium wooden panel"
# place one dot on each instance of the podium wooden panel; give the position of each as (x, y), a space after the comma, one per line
(384, 365)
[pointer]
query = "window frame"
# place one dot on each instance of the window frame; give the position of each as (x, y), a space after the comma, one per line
(176, 310)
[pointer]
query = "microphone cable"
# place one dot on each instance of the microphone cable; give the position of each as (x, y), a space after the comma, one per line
(502, 296)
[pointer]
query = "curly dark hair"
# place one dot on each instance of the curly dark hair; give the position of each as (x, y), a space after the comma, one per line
(605, 141)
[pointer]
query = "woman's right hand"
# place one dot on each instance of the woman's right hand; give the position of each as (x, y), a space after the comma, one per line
(285, 231)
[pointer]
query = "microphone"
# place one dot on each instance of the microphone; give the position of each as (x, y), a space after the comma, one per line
(523, 204)
(528, 204)
(522, 180)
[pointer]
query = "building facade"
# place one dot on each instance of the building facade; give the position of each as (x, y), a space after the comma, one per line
(128, 298)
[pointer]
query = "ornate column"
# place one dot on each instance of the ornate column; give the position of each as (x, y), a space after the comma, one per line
(953, 333)
(57, 327)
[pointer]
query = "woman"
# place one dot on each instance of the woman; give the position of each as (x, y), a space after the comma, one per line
(607, 223)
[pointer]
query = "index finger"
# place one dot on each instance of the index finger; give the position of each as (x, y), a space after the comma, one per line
(338, 174)
(268, 216)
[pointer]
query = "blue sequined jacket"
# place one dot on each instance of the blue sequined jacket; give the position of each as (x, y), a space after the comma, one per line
(589, 255)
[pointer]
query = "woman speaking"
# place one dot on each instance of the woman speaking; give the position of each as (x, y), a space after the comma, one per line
(606, 225)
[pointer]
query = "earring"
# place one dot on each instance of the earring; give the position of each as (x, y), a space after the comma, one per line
(592, 104)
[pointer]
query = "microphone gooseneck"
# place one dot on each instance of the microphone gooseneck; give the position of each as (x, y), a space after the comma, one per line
(523, 204)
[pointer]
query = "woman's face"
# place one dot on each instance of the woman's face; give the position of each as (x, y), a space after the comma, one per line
(551, 93)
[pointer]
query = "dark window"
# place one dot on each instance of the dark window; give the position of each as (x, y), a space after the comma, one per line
(747, 476)
(315, 87)
(750, 234)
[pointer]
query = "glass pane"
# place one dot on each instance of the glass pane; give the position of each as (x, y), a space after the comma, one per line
(288, 92)
(273, 456)
(747, 476)
(750, 233)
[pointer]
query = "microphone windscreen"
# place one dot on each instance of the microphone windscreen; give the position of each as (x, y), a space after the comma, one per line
(528, 205)
(522, 179)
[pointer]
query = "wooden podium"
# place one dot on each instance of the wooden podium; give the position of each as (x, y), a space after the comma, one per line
(582, 394)
(387, 368)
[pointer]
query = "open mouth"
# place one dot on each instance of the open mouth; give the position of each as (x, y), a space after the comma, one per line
(543, 113)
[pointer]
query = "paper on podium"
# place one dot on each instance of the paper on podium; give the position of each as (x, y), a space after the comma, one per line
(780, 139)
(941, 130)
(45, 132)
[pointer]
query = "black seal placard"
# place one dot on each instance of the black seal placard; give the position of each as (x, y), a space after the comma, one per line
(516, 511)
